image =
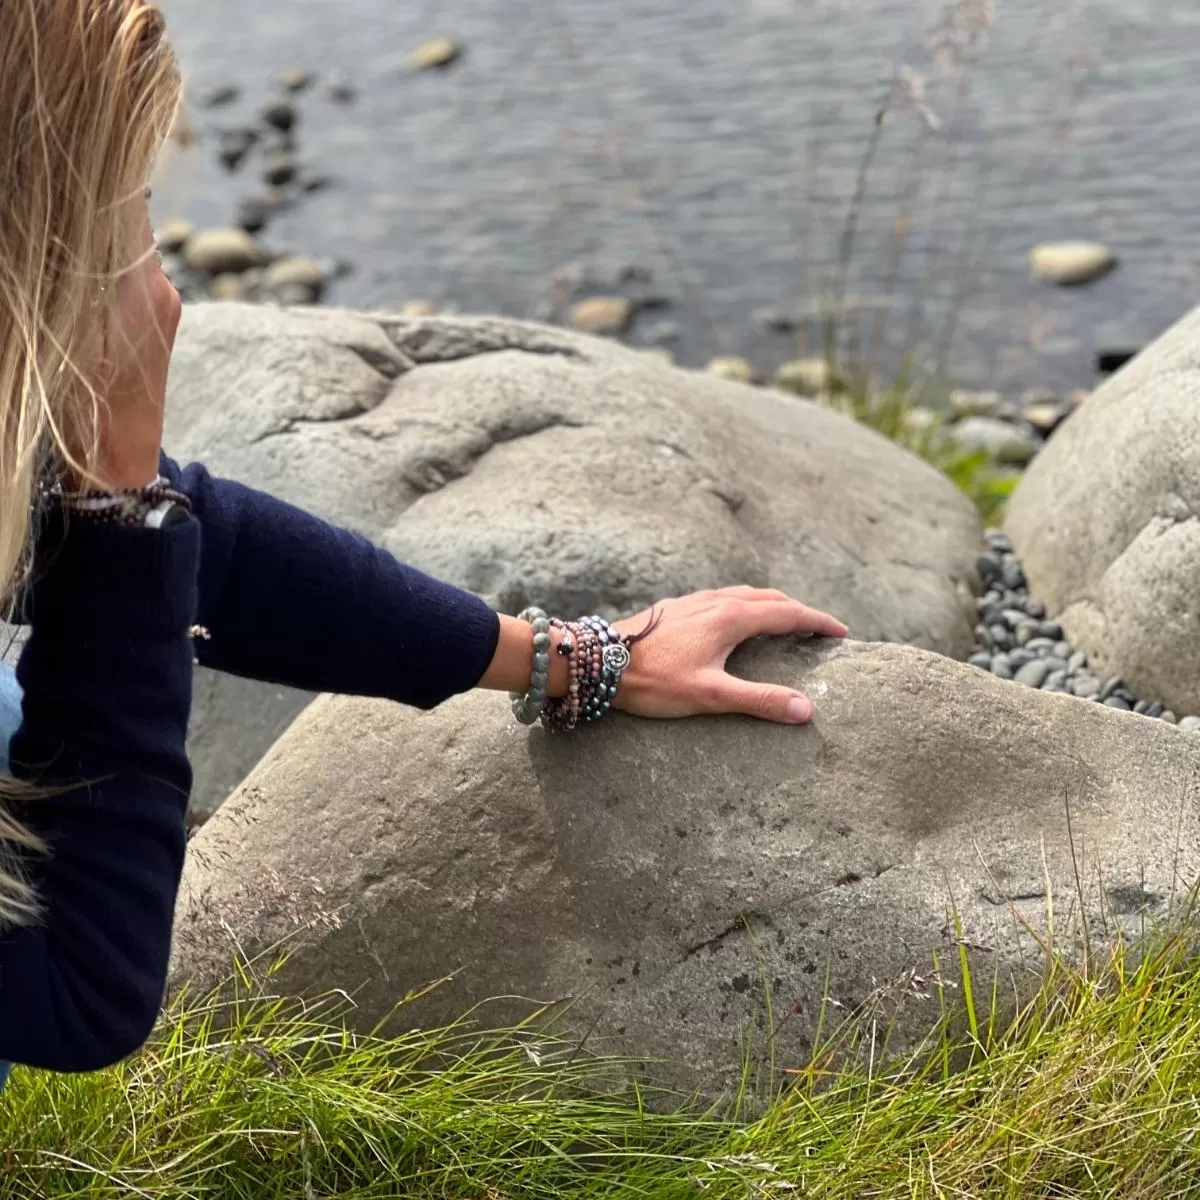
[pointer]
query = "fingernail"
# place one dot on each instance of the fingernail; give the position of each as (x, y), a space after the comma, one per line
(798, 710)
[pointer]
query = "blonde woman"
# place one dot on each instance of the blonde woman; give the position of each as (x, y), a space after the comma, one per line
(112, 554)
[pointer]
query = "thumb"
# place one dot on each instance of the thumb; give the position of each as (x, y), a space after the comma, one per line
(766, 701)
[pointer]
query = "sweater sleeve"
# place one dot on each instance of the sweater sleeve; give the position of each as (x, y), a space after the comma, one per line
(288, 598)
(106, 676)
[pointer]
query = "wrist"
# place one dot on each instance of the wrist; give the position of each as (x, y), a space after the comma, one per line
(510, 666)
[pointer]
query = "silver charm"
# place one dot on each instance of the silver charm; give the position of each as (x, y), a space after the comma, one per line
(615, 657)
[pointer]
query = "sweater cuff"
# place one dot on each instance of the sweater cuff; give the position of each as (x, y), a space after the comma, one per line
(114, 580)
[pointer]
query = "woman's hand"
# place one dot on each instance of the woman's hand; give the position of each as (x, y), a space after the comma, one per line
(678, 670)
(130, 376)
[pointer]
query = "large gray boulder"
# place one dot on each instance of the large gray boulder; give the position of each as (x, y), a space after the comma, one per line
(530, 464)
(1105, 521)
(668, 876)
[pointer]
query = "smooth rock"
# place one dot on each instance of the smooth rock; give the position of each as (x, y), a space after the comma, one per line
(1051, 629)
(1046, 418)
(174, 236)
(1154, 710)
(253, 212)
(1033, 674)
(295, 294)
(532, 464)
(1001, 441)
(981, 404)
(1141, 708)
(418, 308)
(436, 54)
(234, 145)
(221, 251)
(1035, 608)
(1169, 717)
(1110, 686)
(218, 95)
(1118, 703)
(999, 541)
(1040, 646)
(279, 167)
(226, 288)
(731, 367)
(1014, 576)
(603, 315)
(295, 79)
(1055, 663)
(1019, 657)
(280, 113)
(989, 569)
(1056, 681)
(309, 273)
(1002, 639)
(341, 90)
(981, 659)
(1077, 661)
(1069, 264)
(1086, 686)
(804, 376)
(649, 907)
(1107, 521)
(1001, 667)
(1189, 722)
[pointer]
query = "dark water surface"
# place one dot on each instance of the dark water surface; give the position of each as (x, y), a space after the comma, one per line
(718, 143)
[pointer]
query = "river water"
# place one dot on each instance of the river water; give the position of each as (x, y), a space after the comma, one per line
(718, 143)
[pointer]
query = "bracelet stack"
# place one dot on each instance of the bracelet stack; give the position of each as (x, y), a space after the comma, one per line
(597, 657)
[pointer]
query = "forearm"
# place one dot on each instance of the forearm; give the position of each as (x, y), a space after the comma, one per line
(288, 598)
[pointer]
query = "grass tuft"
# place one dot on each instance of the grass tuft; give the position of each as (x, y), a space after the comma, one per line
(1089, 1090)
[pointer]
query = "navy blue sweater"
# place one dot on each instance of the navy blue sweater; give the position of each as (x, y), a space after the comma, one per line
(107, 676)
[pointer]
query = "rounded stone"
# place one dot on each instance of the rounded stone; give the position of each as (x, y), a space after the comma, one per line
(1071, 263)
(981, 404)
(1012, 617)
(174, 236)
(1040, 646)
(1002, 639)
(998, 439)
(1189, 722)
(294, 295)
(253, 212)
(234, 145)
(309, 273)
(1033, 674)
(730, 366)
(218, 251)
(226, 288)
(999, 541)
(1110, 686)
(1001, 667)
(1154, 710)
(1117, 703)
(602, 315)
(981, 659)
(1056, 681)
(1055, 663)
(804, 376)
(1019, 657)
(279, 113)
(1014, 577)
(1086, 686)
(1168, 716)
(1051, 629)
(1077, 661)
(279, 167)
(436, 54)
(988, 568)
(1035, 608)
(1141, 708)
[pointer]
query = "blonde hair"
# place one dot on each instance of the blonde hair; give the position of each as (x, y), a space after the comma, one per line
(88, 92)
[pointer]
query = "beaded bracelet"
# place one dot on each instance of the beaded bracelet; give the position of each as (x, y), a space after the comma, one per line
(528, 707)
(598, 656)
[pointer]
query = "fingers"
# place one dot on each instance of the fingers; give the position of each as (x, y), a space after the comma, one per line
(765, 701)
(777, 618)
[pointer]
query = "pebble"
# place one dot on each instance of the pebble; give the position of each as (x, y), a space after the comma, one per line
(218, 95)
(226, 287)
(1140, 707)
(1014, 576)
(234, 145)
(804, 376)
(1000, 440)
(1035, 608)
(1046, 418)
(1155, 710)
(340, 90)
(1077, 662)
(1086, 686)
(1069, 264)
(294, 294)
(174, 235)
(1001, 667)
(295, 79)
(981, 404)
(221, 251)
(1001, 638)
(981, 659)
(1055, 663)
(279, 167)
(730, 366)
(436, 54)
(418, 308)
(604, 315)
(279, 113)
(1033, 674)
(299, 272)
(1040, 645)
(1189, 722)
(1118, 703)
(1170, 717)
(1110, 686)
(1019, 657)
